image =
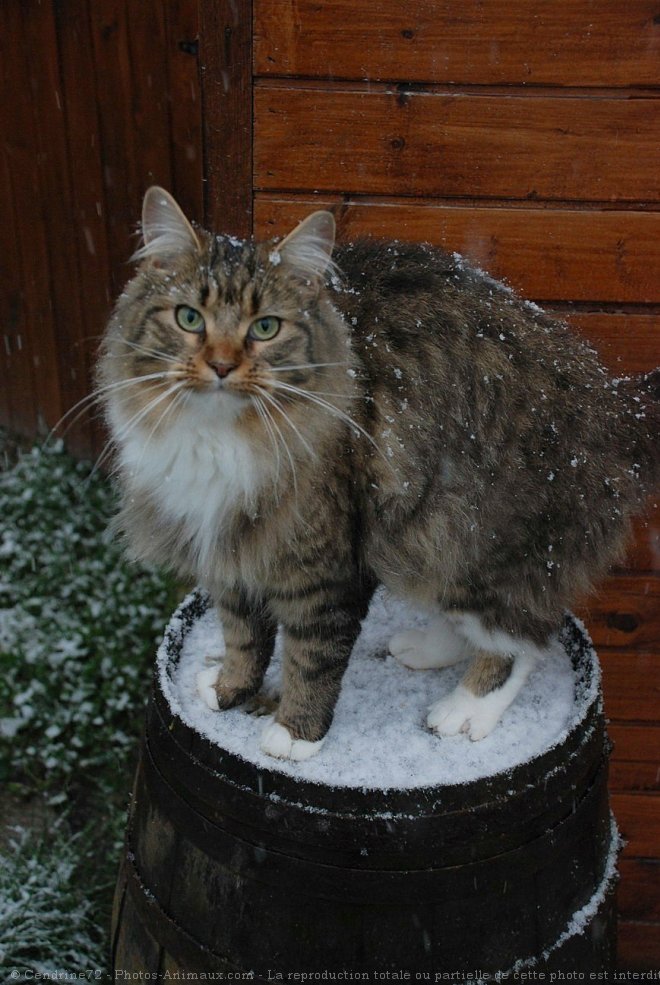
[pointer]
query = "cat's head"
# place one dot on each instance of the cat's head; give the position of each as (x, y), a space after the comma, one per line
(210, 318)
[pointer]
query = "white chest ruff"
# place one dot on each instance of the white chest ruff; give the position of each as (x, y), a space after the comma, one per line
(200, 474)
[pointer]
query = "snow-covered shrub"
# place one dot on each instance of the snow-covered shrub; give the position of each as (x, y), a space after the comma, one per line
(48, 918)
(78, 626)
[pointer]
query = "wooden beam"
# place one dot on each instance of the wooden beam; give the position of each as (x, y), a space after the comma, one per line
(381, 140)
(548, 254)
(521, 42)
(226, 73)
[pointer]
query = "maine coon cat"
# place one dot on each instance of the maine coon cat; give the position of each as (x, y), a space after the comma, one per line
(294, 427)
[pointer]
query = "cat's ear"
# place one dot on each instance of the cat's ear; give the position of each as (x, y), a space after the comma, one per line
(165, 230)
(308, 249)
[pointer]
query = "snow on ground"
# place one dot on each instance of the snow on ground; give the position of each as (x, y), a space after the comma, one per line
(378, 738)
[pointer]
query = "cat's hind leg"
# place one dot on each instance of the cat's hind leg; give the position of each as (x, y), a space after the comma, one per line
(439, 645)
(490, 684)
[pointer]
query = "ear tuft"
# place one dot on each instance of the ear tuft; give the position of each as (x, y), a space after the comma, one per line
(308, 249)
(165, 229)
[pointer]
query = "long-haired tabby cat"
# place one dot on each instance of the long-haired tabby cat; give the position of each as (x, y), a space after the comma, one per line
(293, 429)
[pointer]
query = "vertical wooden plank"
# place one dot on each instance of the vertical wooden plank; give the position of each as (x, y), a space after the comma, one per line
(11, 299)
(226, 62)
(118, 902)
(11, 295)
(147, 49)
(185, 97)
(18, 368)
(114, 89)
(137, 954)
(88, 219)
(130, 50)
(31, 347)
(40, 38)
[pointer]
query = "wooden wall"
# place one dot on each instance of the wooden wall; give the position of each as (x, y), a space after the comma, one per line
(523, 135)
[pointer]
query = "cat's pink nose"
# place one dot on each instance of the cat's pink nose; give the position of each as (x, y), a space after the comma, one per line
(221, 369)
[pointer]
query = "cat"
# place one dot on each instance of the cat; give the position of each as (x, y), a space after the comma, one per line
(296, 424)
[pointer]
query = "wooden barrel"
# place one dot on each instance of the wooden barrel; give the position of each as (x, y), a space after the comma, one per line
(230, 868)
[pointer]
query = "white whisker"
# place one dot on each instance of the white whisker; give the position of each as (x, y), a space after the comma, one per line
(180, 393)
(154, 353)
(261, 410)
(96, 395)
(314, 398)
(126, 428)
(327, 393)
(272, 400)
(114, 439)
(274, 423)
(163, 374)
(286, 369)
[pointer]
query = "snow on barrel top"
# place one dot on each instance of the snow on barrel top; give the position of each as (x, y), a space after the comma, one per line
(378, 739)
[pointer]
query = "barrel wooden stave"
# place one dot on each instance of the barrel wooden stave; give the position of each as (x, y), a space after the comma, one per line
(221, 841)
(425, 823)
(228, 890)
(134, 948)
(227, 870)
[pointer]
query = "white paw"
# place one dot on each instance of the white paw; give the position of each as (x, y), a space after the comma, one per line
(462, 711)
(277, 741)
(438, 646)
(206, 686)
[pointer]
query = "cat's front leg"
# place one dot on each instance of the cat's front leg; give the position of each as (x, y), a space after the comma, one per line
(249, 631)
(317, 646)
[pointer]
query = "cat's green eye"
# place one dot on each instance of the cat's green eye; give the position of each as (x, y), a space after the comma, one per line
(264, 329)
(189, 319)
